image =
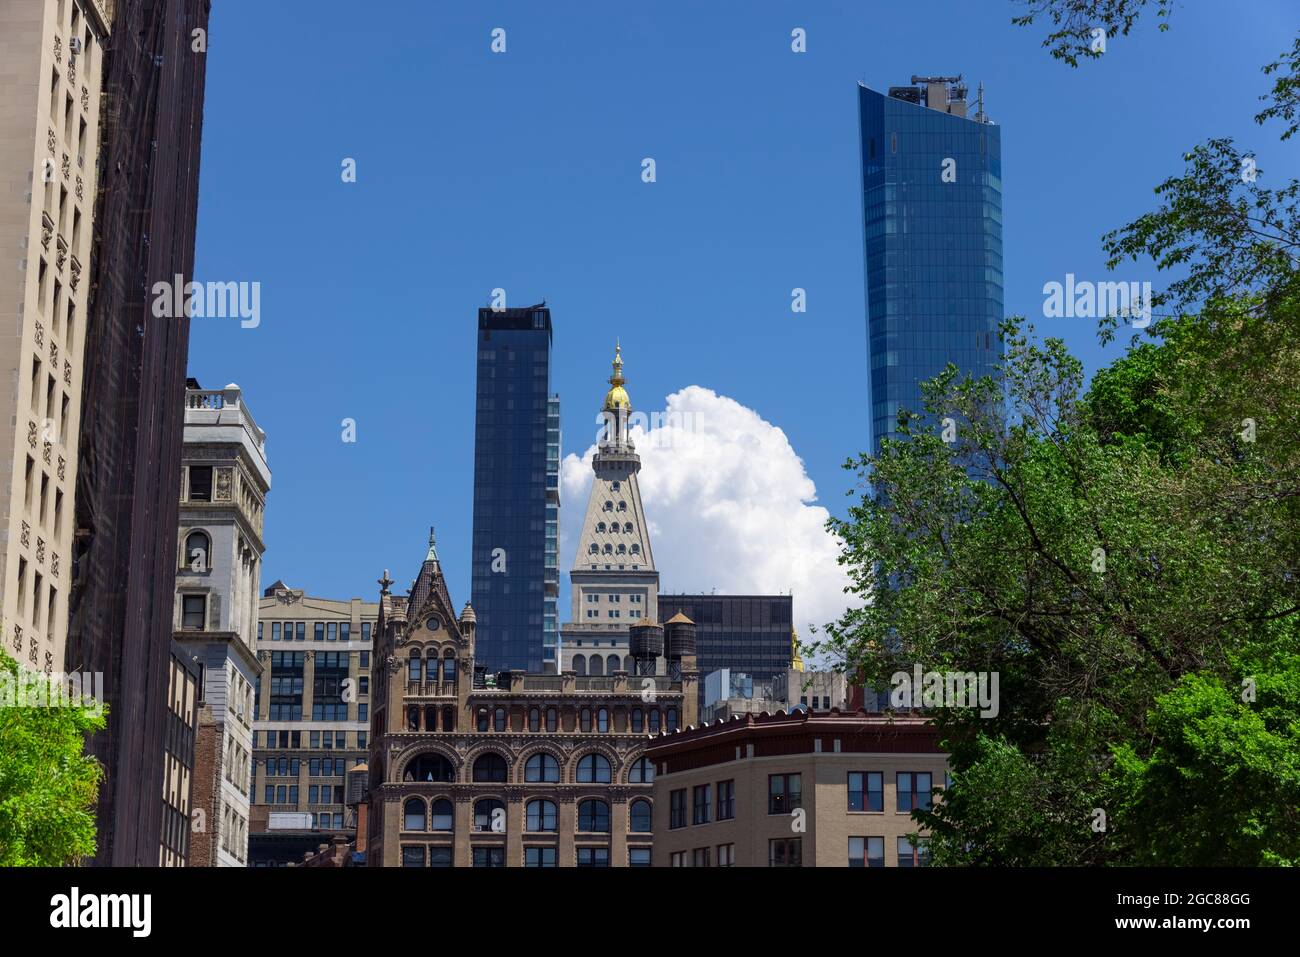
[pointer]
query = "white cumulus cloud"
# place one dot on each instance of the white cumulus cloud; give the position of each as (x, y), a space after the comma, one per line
(729, 505)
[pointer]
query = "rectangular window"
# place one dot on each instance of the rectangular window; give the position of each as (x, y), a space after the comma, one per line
(331, 631)
(318, 631)
(540, 857)
(784, 793)
(701, 802)
(700, 857)
(909, 856)
(345, 630)
(785, 852)
(440, 857)
(193, 611)
(302, 630)
(200, 483)
(677, 859)
(913, 791)
(412, 857)
(726, 800)
(866, 791)
(726, 855)
(365, 631)
(638, 857)
(489, 857)
(677, 809)
(275, 631)
(866, 852)
(593, 857)
(365, 659)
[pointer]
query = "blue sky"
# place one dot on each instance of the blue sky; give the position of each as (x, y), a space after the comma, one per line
(522, 171)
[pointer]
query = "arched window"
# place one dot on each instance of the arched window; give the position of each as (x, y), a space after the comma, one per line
(541, 768)
(600, 526)
(552, 719)
(499, 720)
(413, 670)
(629, 665)
(672, 719)
(490, 815)
(584, 719)
(612, 664)
(622, 506)
(641, 772)
(602, 720)
(412, 718)
(413, 815)
(609, 549)
(622, 549)
(627, 526)
(490, 768)
(593, 769)
(639, 817)
(431, 666)
(542, 816)
(596, 666)
(534, 719)
(448, 718)
(609, 506)
(443, 815)
(481, 721)
(198, 552)
(636, 549)
(579, 666)
(638, 721)
(430, 718)
(594, 548)
(593, 816)
(430, 767)
(449, 669)
(654, 720)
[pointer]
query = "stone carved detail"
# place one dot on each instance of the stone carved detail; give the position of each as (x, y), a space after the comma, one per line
(25, 536)
(60, 252)
(18, 639)
(80, 191)
(31, 652)
(85, 99)
(54, 353)
(47, 230)
(54, 564)
(40, 335)
(67, 372)
(63, 467)
(49, 662)
(45, 452)
(225, 485)
(65, 165)
(58, 49)
(50, 140)
(31, 434)
(394, 666)
(76, 273)
(40, 549)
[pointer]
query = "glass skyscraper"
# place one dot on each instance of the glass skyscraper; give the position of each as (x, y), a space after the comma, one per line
(932, 221)
(514, 563)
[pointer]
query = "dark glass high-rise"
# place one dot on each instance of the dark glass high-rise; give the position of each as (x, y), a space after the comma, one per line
(932, 224)
(515, 579)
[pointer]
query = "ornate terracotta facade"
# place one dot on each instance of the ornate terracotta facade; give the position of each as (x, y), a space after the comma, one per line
(469, 769)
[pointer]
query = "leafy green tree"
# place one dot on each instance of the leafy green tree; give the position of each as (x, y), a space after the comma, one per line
(1126, 557)
(48, 786)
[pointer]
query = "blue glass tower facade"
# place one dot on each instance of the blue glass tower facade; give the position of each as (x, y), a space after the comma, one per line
(932, 219)
(514, 563)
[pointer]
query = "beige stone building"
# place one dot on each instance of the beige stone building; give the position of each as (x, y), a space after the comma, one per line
(51, 60)
(313, 721)
(475, 770)
(819, 789)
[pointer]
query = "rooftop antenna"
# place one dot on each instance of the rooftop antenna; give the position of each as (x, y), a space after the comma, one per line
(979, 104)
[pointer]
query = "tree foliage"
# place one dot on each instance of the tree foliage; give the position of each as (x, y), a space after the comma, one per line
(48, 786)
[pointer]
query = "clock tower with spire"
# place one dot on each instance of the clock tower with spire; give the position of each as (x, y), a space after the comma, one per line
(614, 582)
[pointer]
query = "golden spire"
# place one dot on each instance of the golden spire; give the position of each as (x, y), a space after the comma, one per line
(616, 397)
(796, 662)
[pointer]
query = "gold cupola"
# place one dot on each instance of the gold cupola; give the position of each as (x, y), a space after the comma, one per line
(616, 398)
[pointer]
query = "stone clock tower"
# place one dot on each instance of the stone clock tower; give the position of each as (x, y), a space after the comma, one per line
(614, 582)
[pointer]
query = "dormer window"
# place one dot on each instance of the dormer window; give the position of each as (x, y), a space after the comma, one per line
(628, 528)
(600, 526)
(609, 506)
(636, 549)
(594, 548)
(613, 486)
(622, 506)
(609, 549)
